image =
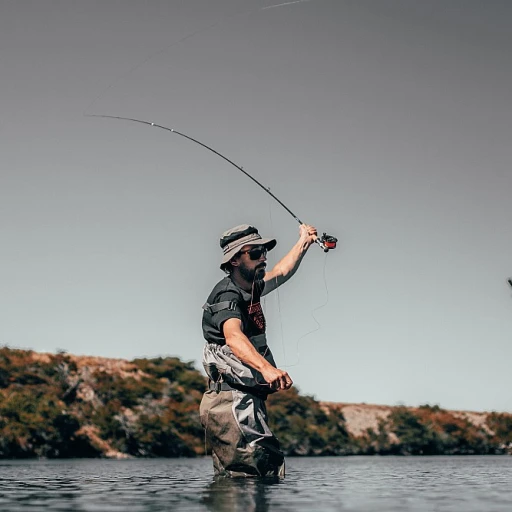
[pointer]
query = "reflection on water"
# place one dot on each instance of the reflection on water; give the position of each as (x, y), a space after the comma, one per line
(249, 495)
(348, 484)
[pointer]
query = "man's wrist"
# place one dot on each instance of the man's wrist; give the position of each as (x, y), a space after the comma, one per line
(305, 243)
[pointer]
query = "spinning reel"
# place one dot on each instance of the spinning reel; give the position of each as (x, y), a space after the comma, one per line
(327, 242)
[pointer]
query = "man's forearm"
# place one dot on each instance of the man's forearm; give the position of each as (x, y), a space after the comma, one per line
(288, 265)
(245, 351)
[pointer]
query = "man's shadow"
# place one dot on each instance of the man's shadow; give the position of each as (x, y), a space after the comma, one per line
(246, 494)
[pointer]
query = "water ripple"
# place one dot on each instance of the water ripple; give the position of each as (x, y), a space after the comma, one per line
(347, 484)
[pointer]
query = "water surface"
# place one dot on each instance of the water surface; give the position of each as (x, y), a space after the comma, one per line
(438, 484)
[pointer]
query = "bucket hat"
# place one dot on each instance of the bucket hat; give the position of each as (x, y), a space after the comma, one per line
(232, 240)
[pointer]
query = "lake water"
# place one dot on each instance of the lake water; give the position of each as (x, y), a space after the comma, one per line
(437, 484)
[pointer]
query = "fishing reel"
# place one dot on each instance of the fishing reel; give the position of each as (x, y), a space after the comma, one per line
(327, 242)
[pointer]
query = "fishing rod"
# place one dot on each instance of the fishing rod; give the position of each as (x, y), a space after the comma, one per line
(326, 242)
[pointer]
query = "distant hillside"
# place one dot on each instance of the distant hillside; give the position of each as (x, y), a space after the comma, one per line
(60, 405)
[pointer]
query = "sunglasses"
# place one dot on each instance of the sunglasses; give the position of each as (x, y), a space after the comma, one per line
(255, 253)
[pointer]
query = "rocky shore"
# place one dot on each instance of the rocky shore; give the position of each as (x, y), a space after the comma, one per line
(62, 405)
(359, 418)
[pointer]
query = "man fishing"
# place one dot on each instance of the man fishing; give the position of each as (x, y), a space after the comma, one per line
(239, 364)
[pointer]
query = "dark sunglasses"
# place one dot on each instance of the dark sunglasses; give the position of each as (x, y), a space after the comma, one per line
(255, 253)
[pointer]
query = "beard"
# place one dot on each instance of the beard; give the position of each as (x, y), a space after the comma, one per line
(252, 274)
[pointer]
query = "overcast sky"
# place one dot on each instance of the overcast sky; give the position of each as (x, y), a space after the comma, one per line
(386, 123)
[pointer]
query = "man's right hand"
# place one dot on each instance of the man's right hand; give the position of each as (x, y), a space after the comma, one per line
(277, 379)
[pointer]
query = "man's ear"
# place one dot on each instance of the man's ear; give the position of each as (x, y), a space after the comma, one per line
(235, 261)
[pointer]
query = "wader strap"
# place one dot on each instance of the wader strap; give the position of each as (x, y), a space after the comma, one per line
(219, 386)
(224, 386)
(230, 305)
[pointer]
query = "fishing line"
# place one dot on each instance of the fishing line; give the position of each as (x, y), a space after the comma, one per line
(150, 57)
(283, 4)
(280, 315)
(181, 40)
(318, 325)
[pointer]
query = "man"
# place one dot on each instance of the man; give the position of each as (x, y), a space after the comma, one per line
(236, 357)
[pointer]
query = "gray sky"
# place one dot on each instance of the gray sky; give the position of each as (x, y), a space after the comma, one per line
(386, 123)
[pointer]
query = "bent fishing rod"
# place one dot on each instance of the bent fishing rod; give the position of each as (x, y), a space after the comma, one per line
(326, 242)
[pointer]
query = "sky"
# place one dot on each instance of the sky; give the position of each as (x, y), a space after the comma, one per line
(385, 123)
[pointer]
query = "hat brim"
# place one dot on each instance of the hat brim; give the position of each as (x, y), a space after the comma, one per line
(269, 244)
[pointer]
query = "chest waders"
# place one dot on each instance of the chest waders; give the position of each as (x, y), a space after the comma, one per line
(234, 415)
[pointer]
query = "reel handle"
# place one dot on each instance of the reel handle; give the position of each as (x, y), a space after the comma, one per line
(321, 244)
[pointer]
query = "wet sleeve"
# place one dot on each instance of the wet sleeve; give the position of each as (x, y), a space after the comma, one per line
(220, 317)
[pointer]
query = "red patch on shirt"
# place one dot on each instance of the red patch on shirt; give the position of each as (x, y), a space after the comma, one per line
(257, 316)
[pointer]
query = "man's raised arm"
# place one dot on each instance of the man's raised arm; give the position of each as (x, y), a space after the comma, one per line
(289, 264)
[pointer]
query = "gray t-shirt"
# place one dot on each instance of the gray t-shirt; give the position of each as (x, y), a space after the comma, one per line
(248, 310)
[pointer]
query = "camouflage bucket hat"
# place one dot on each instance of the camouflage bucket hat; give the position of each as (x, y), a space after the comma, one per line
(234, 239)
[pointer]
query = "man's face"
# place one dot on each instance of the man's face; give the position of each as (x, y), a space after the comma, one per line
(252, 262)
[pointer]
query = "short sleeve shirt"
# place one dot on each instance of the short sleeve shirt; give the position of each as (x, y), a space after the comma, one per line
(247, 309)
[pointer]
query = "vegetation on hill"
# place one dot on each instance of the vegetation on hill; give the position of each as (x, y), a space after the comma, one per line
(60, 405)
